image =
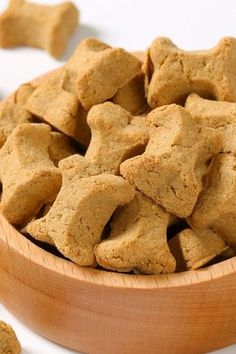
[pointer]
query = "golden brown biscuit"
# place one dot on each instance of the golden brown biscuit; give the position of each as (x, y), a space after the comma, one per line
(96, 72)
(60, 147)
(29, 177)
(22, 94)
(60, 109)
(81, 210)
(215, 207)
(171, 73)
(215, 114)
(114, 136)
(193, 249)
(11, 115)
(209, 113)
(138, 239)
(171, 169)
(41, 26)
(9, 343)
(132, 96)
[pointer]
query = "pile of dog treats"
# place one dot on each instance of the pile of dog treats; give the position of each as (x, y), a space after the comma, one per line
(126, 161)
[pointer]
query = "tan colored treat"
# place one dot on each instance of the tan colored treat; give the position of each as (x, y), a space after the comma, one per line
(96, 72)
(114, 137)
(215, 207)
(193, 249)
(209, 113)
(11, 115)
(60, 147)
(41, 26)
(22, 94)
(81, 210)
(132, 96)
(215, 114)
(172, 73)
(60, 109)
(29, 177)
(138, 239)
(9, 343)
(40, 234)
(171, 169)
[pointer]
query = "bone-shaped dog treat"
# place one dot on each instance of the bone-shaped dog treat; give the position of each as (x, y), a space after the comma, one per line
(46, 27)
(60, 147)
(138, 239)
(9, 343)
(132, 96)
(215, 207)
(22, 94)
(29, 178)
(171, 73)
(96, 72)
(215, 114)
(193, 249)
(60, 109)
(82, 208)
(114, 136)
(209, 113)
(171, 169)
(11, 115)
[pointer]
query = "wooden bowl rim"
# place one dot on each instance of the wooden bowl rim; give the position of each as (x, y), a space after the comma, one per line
(43, 259)
(25, 248)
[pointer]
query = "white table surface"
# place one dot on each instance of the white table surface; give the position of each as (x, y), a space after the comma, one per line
(132, 24)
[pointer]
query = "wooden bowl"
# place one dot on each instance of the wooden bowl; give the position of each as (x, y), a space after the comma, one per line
(94, 311)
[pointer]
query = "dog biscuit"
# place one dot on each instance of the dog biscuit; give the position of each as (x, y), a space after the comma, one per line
(114, 136)
(96, 72)
(215, 207)
(9, 343)
(60, 109)
(81, 210)
(40, 26)
(215, 114)
(193, 249)
(132, 96)
(209, 113)
(60, 147)
(11, 115)
(29, 177)
(138, 239)
(22, 94)
(171, 73)
(171, 169)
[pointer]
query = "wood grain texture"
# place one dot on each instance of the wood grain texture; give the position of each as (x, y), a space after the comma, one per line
(102, 312)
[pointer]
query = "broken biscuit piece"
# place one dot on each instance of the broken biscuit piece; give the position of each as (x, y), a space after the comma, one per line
(132, 96)
(96, 72)
(172, 73)
(193, 249)
(171, 169)
(81, 210)
(60, 109)
(9, 343)
(60, 147)
(215, 207)
(11, 115)
(138, 239)
(41, 26)
(28, 176)
(114, 137)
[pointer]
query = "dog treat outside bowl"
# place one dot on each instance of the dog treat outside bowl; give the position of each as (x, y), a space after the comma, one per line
(95, 311)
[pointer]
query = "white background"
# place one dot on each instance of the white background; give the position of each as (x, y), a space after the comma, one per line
(132, 24)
